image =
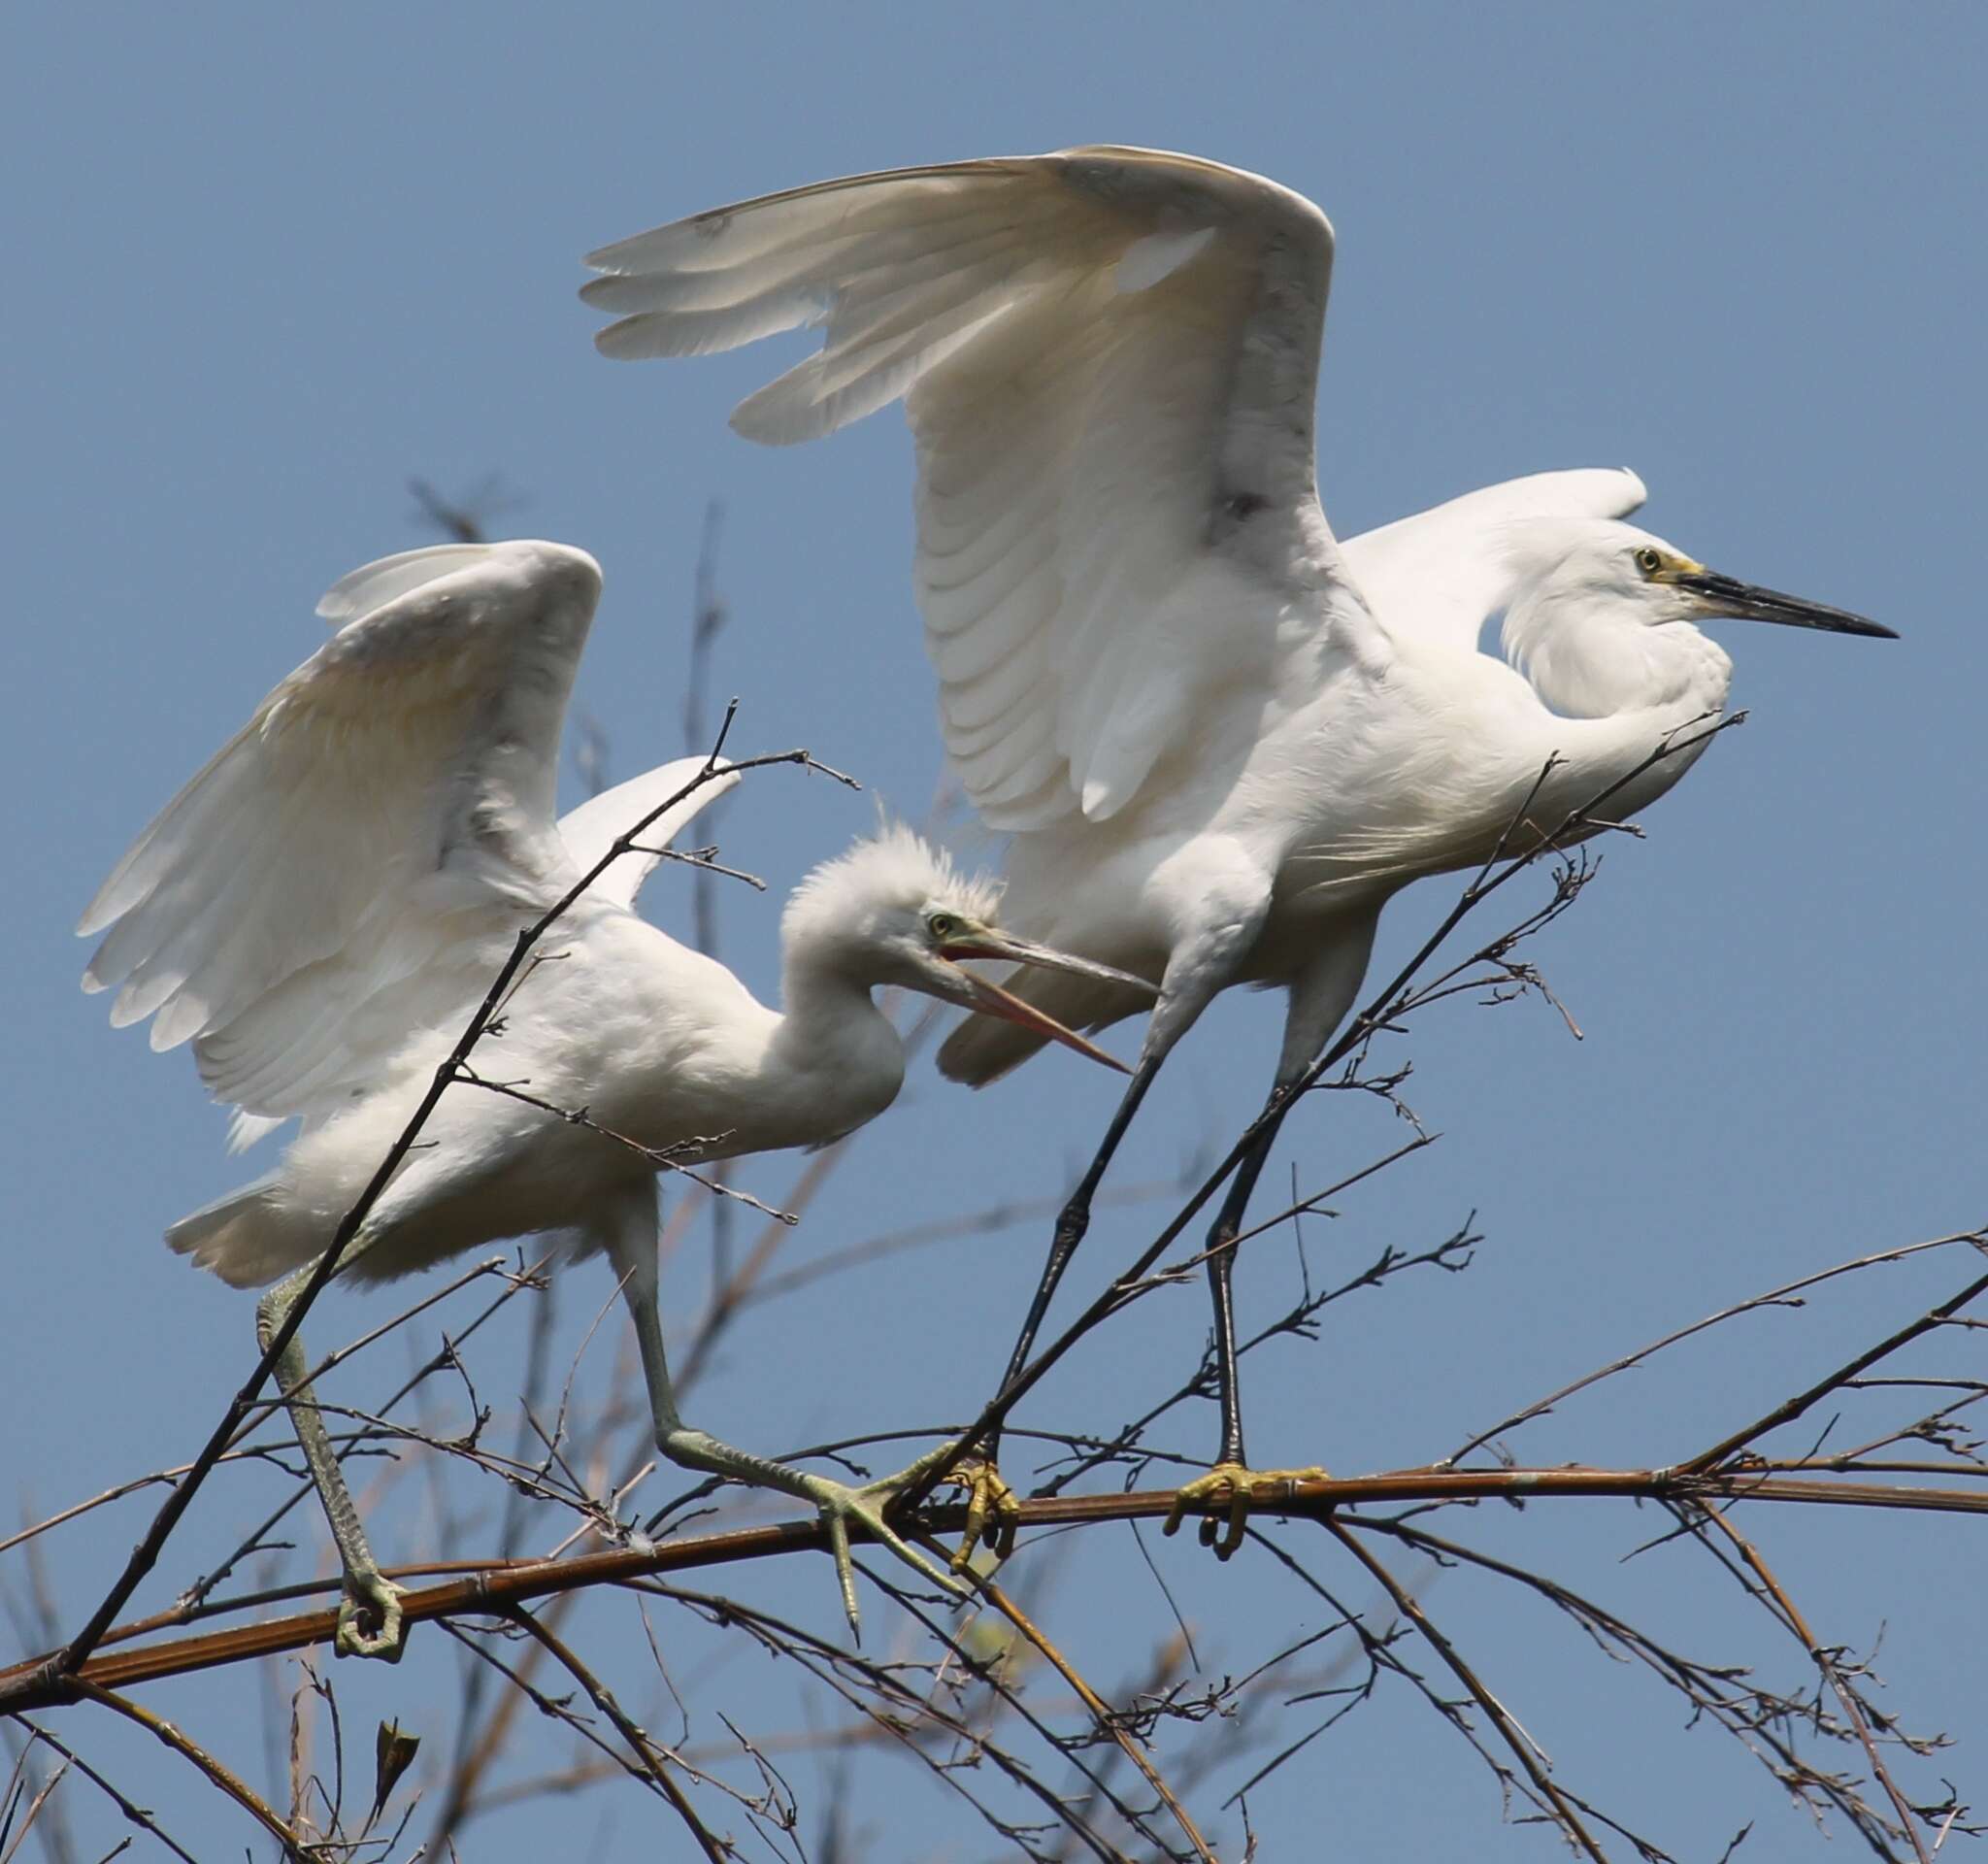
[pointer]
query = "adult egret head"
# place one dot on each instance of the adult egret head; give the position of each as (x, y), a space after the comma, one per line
(1219, 737)
(323, 909)
(1602, 617)
(1708, 595)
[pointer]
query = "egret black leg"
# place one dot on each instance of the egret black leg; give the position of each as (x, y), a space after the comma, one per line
(1075, 1220)
(991, 1510)
(1230, 1485)
(1221, 1272)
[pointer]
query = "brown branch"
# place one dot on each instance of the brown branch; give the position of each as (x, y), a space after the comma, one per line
(496, 1585)
(1783, 1296)
(645, 1751)
(1523, 1747)
(1793, 1408)
(131, 1810)
(1826, 1664)
(239, 1791)
(1100, 1712)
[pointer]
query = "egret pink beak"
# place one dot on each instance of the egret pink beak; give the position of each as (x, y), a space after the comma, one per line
(989, 999)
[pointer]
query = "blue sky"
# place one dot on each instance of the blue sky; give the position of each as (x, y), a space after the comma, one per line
(266, 266)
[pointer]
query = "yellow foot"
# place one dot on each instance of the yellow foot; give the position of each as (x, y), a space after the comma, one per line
(369, 1601)
(1229, 1487)
(992, 1511)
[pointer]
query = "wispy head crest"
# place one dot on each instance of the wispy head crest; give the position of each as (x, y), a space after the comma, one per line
(893, 871)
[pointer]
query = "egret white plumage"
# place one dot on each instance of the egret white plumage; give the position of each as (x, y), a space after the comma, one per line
(1221, 737)
(323, 907)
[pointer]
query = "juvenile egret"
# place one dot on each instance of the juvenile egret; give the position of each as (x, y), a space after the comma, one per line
(1219, 738)
(324, 905)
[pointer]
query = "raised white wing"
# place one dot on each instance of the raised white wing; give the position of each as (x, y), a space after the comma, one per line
(1440, 573)
(460, 964)
(591, 829)
(1110, 360)
(296, 905)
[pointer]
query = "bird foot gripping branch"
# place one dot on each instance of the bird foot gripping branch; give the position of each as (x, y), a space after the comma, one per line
(867, 1505)
(369, 1601)
(993, 1511)
(1231, 1489)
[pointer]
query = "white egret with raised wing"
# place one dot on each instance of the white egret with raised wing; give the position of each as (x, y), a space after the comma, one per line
(1221, 737)
(324, 905)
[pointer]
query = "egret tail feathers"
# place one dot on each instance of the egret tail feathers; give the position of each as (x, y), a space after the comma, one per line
(243, 1238)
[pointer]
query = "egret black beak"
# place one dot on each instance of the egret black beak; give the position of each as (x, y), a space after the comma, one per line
(1751, 603)
(987, 943)
(988, 999)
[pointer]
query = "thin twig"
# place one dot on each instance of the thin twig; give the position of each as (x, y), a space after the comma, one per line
(239, 1791)
(1832, 1674)
(1100, 1712)
(135, 1813)
(1523, 1748)
(640, 1745)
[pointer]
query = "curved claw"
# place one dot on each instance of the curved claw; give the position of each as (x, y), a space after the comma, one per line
(993, 1512)
(840, 1504)
(1228, 1487)
(367, 1597)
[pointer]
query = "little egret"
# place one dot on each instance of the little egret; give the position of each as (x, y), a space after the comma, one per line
(323, 907)
(1221, 737)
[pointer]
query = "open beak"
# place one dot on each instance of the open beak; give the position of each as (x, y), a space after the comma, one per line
(987, 943)
(1750, 603)
(989, 999)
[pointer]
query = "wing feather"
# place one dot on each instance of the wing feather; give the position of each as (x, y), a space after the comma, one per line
(373, 585)
(1109, 359)
(591, 829)
(1443, 572)
(315, 889)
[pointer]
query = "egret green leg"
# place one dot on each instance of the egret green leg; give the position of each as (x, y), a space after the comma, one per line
(838, 1504)
(367, 1595)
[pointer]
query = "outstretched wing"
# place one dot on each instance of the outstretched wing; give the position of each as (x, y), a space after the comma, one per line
(290, 906)
(1441, 573)
(1110, 360)
(591, 829)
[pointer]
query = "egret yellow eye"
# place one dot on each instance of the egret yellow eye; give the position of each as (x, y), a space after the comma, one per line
(942, 925)
(1649, 561)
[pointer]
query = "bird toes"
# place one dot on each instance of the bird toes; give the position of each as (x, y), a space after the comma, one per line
(370, 1618)
(993, 1512)
(1224, 1496)
(840, 1506)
